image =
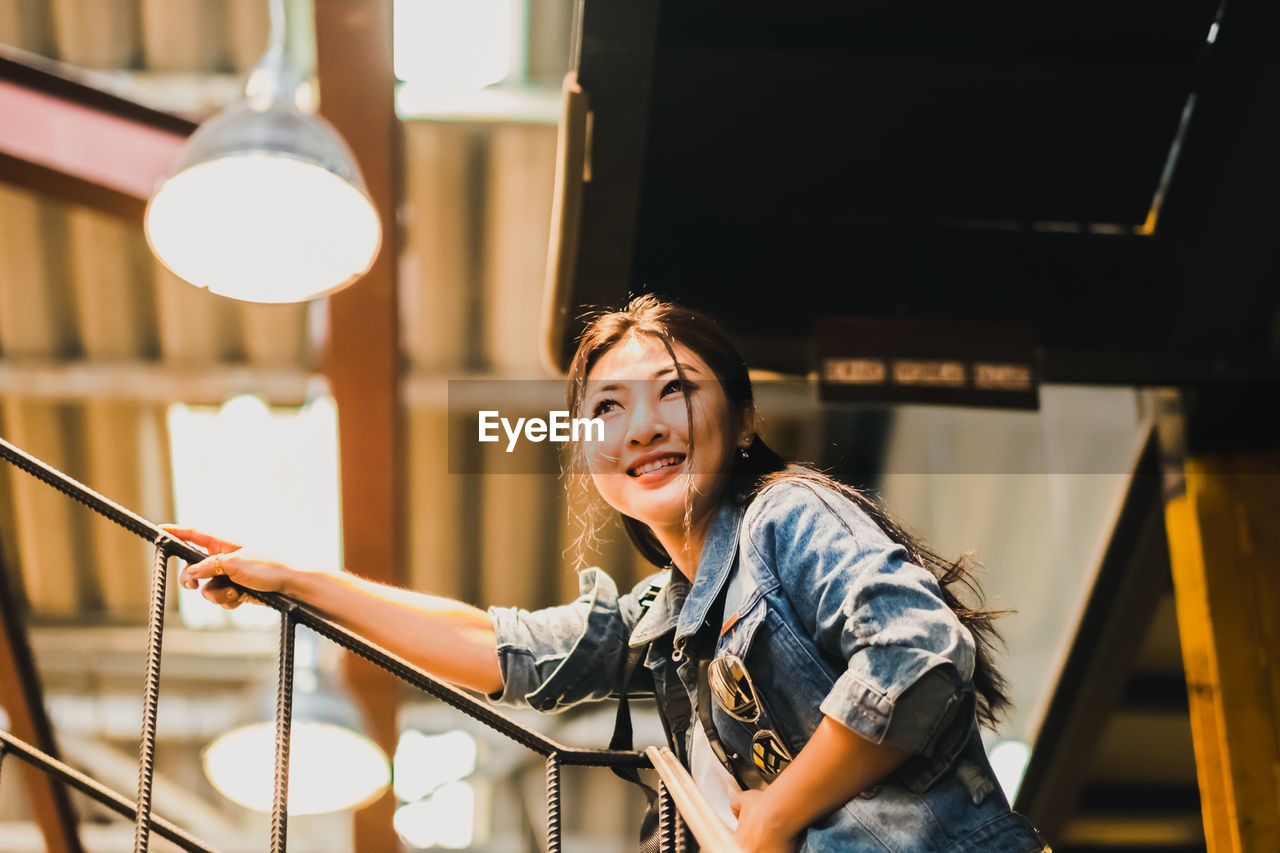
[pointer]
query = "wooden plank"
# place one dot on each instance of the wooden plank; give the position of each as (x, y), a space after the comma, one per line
(97, 35)
(353, 54)
(23, 699)
(56, 146)
(185, 35)
(50, 530)
(207, 384)
(1224, 547)
(704, 823)
(522, 162)
(65, 136)
(439, 267)
(614, 71)
(36, 319)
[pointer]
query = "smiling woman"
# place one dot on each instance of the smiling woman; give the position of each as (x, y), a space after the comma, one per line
(813, 666)
(655, 411)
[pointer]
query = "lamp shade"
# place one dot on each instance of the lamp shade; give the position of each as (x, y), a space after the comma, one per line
(265, 204)
(333, 765)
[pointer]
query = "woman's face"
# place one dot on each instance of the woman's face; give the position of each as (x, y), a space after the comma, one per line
(643, 467)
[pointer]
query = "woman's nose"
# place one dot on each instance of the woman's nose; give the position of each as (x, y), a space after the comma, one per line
(645, 427)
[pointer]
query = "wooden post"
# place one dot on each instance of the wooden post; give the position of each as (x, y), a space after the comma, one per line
(23, 698)
(357, 88)
(1224, 545)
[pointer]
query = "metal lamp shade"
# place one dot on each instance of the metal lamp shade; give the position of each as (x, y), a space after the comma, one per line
(333, 764)
(265, 205)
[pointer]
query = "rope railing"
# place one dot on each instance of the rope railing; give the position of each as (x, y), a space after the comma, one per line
(292, 614)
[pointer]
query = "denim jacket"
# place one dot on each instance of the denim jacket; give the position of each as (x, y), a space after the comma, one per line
(830, 619)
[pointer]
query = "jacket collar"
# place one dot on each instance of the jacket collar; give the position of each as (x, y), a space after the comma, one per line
(684, 608)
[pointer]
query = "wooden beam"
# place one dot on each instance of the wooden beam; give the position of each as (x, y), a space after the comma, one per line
(614, 76)
(150, 381)
(1224, 546)
(23, 698)
(64, 138)
(357, 87)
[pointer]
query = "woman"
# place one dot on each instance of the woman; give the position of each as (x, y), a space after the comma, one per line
(812, 666)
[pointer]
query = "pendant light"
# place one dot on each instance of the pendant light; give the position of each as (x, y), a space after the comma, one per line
(334, 764)
(266, 202)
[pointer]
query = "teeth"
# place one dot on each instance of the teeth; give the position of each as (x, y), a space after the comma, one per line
(660, 463)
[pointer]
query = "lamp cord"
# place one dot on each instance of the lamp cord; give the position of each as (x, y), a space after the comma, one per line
(275, 8)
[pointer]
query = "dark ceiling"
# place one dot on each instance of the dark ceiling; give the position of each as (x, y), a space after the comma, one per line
(995, 161)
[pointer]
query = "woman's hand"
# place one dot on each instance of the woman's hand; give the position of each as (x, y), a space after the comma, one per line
(229, 560)
(836, 764)
(760, 831)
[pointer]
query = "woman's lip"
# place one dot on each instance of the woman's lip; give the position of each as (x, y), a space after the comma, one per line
(663, 473)
(679, 457)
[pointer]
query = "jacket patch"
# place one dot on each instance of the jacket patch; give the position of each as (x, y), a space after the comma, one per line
(729, 623)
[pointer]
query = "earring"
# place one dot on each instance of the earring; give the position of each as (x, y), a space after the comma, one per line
(743, 453)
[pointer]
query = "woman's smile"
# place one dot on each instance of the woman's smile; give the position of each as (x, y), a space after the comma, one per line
(670, 433)
(653, 466)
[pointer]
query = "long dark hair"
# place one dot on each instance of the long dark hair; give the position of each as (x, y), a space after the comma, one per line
(760, 466)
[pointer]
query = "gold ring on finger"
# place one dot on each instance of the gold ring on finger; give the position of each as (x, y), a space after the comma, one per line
(217, 566)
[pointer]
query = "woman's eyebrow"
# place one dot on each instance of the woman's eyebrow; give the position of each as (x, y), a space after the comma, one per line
(687, 368)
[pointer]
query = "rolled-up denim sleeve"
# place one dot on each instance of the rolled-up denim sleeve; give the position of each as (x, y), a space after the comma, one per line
(909, 659)
(557, 657)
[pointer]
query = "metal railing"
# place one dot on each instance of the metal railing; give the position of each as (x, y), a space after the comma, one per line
(679, 800)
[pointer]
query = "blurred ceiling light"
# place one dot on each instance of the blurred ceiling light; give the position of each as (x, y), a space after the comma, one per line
(454, 45)
(445, 819)
(266, 202)
(333, 764)
(1009, 761)
(423, 763)
(260, 476)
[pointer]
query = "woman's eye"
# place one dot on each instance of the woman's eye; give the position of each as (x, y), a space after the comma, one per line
(603, 407)
(673, 387)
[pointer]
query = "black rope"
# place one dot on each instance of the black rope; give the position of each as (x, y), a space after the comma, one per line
(553, 804)
(95, 790)
(284, 722)
(150, 702)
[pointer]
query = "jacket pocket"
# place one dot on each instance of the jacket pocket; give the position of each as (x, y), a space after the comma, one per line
(756, 685)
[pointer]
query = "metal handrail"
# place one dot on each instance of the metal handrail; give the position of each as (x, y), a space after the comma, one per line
(677, 788)
(10, 745)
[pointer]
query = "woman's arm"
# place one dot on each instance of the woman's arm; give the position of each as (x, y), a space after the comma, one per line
(834, 766)
(451, 640)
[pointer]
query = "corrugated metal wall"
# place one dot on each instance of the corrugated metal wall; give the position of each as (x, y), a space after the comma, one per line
(96, 337)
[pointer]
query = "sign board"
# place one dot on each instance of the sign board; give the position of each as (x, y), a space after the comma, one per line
(898, 360)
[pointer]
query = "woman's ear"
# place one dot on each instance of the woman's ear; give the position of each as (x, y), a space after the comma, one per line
(748, 431)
